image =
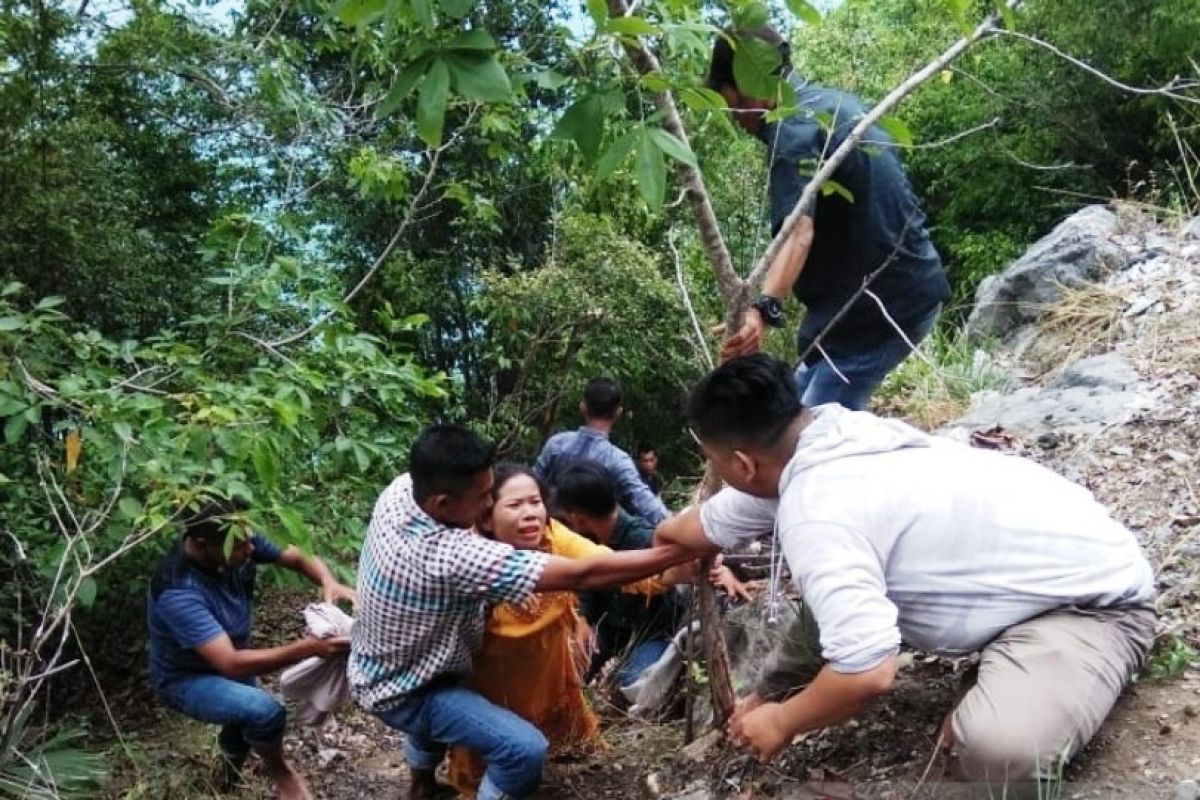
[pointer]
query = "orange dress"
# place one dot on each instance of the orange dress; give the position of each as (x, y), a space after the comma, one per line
(527, 663)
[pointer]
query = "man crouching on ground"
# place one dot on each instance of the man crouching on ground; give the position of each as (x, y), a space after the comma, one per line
(425, 583)
(893, 535)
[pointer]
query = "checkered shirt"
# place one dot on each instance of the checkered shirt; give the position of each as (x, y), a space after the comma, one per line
(423, 594)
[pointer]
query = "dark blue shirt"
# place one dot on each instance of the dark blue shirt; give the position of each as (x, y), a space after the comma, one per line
(189, 606)
(853, 235)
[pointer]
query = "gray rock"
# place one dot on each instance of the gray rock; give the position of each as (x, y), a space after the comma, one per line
(1090, 395)
(1108, 371)
(1077, 252)
(1191, 229)
(1187, 790)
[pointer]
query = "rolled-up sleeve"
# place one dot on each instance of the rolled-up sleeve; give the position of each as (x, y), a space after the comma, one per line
(841, 578)
(733, 519)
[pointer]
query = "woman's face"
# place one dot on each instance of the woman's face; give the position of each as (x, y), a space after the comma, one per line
(519, 515)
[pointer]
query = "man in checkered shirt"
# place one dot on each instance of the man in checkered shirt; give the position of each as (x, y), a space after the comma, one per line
(425, 582)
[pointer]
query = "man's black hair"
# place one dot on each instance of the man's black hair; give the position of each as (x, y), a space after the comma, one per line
(211, 523)
(746, 401)
(585, 487)
(644, 448)
(602, 398)
(720, 68)
(445, 458)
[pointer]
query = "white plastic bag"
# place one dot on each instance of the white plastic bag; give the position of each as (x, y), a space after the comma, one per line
(319, 685)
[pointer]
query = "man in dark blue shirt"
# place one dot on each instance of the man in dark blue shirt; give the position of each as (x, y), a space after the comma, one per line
(633, 626)
(871, 219)
(199, 614)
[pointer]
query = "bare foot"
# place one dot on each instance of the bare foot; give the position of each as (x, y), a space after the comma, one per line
(291, 786)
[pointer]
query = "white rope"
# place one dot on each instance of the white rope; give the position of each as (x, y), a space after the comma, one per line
(832, 365)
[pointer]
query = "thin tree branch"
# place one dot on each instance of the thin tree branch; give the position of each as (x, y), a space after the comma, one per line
(1170, 89)
(414, 206)
(697, 329)
(732, 288)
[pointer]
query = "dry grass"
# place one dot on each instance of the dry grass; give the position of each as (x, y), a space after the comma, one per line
(1085, 321)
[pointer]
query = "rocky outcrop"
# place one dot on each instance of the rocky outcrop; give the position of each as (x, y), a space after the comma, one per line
(1079, 251)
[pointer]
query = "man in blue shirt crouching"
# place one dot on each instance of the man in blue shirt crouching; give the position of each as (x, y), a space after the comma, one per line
(199, 614)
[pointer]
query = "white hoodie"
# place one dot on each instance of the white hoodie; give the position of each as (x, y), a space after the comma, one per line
(894, 535)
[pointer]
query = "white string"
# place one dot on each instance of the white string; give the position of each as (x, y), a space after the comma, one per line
(832, 365)
(776, 574)
(883, 310)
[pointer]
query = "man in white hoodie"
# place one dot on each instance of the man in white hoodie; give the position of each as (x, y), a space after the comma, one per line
(895, 536)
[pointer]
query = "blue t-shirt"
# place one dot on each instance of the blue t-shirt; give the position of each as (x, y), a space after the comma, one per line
(188, 606)
(880, 221)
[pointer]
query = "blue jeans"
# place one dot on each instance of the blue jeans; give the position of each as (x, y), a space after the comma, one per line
(248, 716)
(863, 370)
(640, 658)
(445, 713)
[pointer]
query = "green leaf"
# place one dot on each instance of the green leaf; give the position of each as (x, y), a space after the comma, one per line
(129, 507)
(431, 106)
(123, 431)
(14, 429)
(11, 405)
(11, 288)
(615, 155)
(47, 303)
(294, 524)
(751, 15)
(805, 11)
(478, 76)
(549, 79)
(13, 323)
(1007, 14)
(630, 26)
(358, 13)
(266, 462)
(895, 128)
(755, 63)
(583, 123)
(87, 592)
(457, 9)
(474, 39)
(673, 147)
(402, 86)
(423, 11)
(701, 98)
(362, 456)
(655, 82)
(598, 11)
(651, 172)
(286, 412)
(831, 187)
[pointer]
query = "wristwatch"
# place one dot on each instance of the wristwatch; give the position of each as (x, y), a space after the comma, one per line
(771, 309)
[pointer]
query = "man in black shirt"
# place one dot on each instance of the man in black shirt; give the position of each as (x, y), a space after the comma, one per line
(871, 218)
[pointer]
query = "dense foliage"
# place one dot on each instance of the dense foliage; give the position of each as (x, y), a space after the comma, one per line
(250, 249)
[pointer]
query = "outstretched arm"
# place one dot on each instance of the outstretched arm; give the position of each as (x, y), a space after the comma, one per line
(608, 570)
(233, 663)
(316, 571)
(685, 530)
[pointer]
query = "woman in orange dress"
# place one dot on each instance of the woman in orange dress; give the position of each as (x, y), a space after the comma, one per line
(533, 653)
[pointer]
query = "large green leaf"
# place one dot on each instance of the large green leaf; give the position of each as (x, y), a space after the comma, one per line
(672, 146)
(583, 123)
(423, 12)
(457, 8)
(598, 11)
(630, 26)
(751, 15)
(478, 76)
(651, 172)
(805, 11)
(266, 462)
(615, 155)
(755, 64)
(431, 106)
(474, 39)
(358, 13)
(895, 128)
(403, 85)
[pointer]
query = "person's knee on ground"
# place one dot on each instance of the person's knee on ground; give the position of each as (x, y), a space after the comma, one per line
(1005, 758)
(514, 766)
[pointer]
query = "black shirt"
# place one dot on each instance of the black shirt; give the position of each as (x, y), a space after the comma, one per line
(852, 237)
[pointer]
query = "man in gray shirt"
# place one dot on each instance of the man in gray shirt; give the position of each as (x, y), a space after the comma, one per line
(896, 536)
(601, 408)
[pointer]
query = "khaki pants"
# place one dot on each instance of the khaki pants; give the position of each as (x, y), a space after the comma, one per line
(1043, 689)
